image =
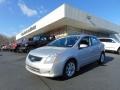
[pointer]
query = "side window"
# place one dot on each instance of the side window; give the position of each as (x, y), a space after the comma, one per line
(94, 41)
(103, 40)
(43, 38)
(111, 41)
(85, 41)
(107, 40)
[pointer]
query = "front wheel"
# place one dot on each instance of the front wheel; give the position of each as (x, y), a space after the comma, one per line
(102, 58)
(69, 69)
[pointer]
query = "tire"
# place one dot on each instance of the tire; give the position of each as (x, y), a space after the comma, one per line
(27, 49)
(102, 58)
(118, 51)
(69, 69)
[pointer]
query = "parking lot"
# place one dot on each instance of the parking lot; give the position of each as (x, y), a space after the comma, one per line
(13, 75)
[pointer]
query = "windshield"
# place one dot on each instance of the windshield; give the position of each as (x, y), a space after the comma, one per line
(65, 42)
(116, 40)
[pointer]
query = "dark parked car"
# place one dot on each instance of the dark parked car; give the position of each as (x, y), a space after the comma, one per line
(35, 42)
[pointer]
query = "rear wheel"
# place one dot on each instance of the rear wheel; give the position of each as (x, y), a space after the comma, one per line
(69, 69)
(102, 58)
(118, 51)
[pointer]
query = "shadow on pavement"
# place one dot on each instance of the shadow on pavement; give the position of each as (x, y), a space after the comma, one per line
(86, 68)
(111, 52)
(108, 59)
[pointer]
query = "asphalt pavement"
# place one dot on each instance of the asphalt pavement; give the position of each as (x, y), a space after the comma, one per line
(13, 75)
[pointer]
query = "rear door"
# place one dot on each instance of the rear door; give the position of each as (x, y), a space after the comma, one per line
(96, 48)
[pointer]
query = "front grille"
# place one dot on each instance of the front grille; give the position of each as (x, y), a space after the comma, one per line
(34, 58)
(33, 69)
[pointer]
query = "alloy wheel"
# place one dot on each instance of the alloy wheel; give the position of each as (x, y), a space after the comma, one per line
(70, 69)
(102, 59)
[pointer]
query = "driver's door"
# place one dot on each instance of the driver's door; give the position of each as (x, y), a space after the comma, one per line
(84, 53)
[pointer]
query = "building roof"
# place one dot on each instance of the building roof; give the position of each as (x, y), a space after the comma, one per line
(67, 15)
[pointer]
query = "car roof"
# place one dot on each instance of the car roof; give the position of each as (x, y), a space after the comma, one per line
(105, 38)
(81, 35)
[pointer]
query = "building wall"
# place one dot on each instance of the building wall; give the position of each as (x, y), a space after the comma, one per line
(69, 30)
(73, 31)
(115, 36)
(59, 32)
(67, 15)
(90, 20)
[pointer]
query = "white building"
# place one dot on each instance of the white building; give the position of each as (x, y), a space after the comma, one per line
(66, 20)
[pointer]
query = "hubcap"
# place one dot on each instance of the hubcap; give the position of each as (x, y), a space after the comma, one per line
(70, 69)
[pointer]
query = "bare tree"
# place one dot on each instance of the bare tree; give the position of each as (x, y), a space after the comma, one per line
(6, 40)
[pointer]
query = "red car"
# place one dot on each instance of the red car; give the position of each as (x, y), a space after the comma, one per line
(13, 46)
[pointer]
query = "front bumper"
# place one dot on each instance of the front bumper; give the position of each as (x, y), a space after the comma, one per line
(38, 72)
(47, 70)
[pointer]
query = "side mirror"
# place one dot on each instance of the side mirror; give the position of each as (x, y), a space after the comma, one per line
(83, 45)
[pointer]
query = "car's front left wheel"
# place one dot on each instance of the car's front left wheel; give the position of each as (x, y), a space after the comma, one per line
(69, 69)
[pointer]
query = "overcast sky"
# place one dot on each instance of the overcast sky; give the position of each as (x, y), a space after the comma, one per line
(16, 15)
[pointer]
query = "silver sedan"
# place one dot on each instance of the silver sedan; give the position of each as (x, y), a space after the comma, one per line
(65, 56)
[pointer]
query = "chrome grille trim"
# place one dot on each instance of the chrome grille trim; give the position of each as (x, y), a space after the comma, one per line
(33, 69)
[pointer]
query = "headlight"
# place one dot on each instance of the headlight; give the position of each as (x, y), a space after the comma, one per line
(50, 59)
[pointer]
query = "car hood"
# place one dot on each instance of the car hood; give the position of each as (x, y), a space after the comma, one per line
(47, 51)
